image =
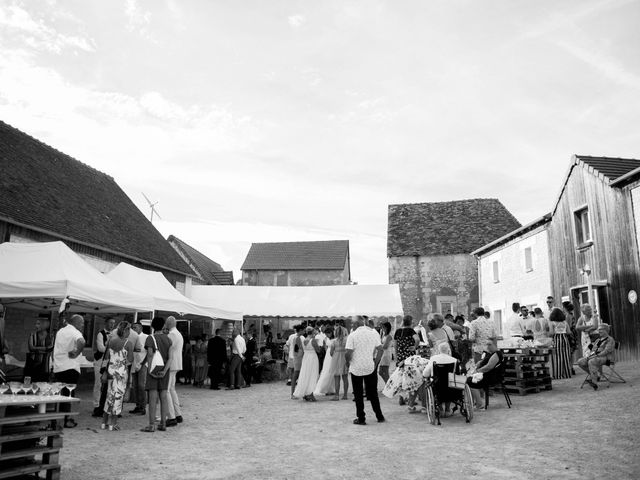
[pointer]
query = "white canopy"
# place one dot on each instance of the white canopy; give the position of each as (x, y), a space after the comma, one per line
(41, 275)
(322, 301)
(165, 297)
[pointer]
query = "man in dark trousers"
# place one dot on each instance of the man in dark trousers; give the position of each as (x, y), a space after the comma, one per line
(217, 358)
(252, 351)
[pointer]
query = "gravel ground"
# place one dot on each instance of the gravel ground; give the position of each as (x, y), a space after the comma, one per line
(259, 432)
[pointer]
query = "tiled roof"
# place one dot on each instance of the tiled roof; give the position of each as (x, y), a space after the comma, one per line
(210, 271)
(446, 228)
(611, 168)
(324, 255)
(45, 189)
(223, 278)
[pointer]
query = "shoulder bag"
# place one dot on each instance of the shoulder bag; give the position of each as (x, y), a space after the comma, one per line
(156, 362)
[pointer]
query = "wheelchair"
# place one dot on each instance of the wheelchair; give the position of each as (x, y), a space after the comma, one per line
(438, 392)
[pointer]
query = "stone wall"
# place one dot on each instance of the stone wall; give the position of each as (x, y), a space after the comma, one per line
(295, 278)
(431, 284)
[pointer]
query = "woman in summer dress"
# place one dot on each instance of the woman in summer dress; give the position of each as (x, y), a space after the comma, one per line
(339, 362)
(115, 359)
(325, 385)
(309, 371)
(385, 360)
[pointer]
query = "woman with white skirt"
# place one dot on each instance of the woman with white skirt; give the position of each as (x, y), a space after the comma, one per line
(308, 378)
(326, 384)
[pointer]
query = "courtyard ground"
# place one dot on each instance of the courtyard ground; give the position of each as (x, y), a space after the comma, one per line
(259, 432)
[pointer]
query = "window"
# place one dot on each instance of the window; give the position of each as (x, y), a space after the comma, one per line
(445, 307)
(583, 227)
(496, 272)
(528, 259)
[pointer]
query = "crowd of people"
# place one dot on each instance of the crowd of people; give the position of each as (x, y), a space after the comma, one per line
(323, 358)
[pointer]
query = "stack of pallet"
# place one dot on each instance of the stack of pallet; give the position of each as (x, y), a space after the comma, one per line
(31, 434)
(527, 370)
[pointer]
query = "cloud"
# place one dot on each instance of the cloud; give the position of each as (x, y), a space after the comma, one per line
(604, 64)
(296, 21)
(138, 19)
(17, 22)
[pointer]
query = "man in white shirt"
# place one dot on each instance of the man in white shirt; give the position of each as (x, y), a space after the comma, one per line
(101, 341)
(443, 357)
(363, 355)
(289, 348)
(139, 372)
(321, 340)
(515, 323)
(175, 354)
(66, 350)
(238, 349)
(550, 306)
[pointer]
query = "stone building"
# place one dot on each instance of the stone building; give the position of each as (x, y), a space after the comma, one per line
(429, 246)
(46, 195)
(298, 264)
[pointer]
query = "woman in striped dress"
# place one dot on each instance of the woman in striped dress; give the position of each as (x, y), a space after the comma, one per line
(561, 357)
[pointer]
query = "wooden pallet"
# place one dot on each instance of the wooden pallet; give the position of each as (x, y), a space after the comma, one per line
(31, 434)
(522, 390)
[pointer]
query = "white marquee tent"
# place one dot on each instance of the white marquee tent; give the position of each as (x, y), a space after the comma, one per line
(165, 297)
(40, 276)
(320, 301)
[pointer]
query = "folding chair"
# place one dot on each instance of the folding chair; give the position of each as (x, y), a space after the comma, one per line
(500, 386)
(611, 376)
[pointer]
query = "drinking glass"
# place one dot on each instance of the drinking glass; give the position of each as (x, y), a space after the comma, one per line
(15, 386)
(4, 388)
(71, 387)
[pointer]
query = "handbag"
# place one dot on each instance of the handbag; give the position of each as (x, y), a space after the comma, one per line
(104, 369)
(454, 351)
(156, 362)
(457, 381)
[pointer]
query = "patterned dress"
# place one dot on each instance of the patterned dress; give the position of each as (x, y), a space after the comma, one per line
(117, 370)
(407, 379)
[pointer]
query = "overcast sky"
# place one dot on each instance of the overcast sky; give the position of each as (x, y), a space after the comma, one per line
(254, 121)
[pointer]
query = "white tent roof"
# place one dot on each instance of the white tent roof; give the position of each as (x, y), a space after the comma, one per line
(166, 298)
(40, 275)
(323, 301)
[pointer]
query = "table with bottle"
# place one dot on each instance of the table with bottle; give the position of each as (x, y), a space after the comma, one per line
(31, 419)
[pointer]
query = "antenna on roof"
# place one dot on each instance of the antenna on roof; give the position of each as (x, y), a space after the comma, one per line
(152, 205)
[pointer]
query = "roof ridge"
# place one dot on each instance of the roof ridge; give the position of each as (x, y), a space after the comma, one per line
(59, 152)
(447, 201)
(193, 248)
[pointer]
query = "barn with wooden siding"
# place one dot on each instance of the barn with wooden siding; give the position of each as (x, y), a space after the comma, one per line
(46, 195)
(594, 227)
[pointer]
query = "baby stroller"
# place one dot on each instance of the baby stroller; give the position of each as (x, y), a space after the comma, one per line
(438, 392)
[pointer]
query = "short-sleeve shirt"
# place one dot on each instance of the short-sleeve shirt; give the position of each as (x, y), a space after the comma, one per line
(404, 341)
(66, 339)
(480, 331)
(164, 344)
(363, 341)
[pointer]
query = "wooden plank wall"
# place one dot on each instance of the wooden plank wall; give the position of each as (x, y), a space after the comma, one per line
(613, 256)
